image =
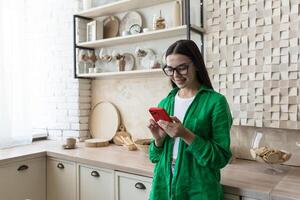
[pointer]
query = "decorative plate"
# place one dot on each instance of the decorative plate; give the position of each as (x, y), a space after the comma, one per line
(129, 59)
(147, 61)
(130, 19)
(110, 27)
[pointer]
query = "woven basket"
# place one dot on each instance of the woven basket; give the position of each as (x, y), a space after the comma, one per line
(143, 145)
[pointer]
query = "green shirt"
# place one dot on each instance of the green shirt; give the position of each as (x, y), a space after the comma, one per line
(197, 168)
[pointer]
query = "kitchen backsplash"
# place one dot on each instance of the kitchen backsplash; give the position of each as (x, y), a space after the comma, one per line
(134, 96)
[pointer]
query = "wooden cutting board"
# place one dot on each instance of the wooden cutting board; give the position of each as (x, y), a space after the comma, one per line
(104, 121)
(96, 142)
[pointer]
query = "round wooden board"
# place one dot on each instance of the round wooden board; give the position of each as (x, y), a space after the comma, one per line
(104, 121)
(110, 27)
(96, 142)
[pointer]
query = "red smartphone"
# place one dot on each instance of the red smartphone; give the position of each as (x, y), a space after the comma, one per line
(159, 114)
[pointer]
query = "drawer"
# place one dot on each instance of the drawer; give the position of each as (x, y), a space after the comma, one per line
(95, 183)
(133, 187)
(61, 179)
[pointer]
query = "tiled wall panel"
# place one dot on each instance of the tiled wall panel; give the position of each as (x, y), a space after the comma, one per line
(252, 54)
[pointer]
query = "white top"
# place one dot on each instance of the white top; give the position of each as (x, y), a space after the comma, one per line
(180, 107)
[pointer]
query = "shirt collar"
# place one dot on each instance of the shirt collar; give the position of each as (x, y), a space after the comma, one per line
(202, 88)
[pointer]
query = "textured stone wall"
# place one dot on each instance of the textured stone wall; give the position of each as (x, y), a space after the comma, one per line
(252, 53)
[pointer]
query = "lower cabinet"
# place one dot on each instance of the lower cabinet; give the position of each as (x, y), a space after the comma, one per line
(95, 183)
(61, 180)
(56, 179)
(23, 180)
(132, 187)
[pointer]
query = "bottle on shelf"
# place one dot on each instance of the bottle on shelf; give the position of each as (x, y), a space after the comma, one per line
(177, 13)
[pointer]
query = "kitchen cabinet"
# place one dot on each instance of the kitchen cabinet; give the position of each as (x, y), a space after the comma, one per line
(114, 8)
(23, 180)
(95, 183)
(133, 187)
(61, 179)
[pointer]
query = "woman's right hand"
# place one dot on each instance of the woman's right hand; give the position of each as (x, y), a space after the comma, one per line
(158, 134)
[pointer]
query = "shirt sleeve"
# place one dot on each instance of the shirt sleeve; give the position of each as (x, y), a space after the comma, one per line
(155, 152)
(215, 151)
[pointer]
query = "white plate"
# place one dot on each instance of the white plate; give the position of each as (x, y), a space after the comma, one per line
(129, 59)
(148, 60)
(128, 20)
(104, 121)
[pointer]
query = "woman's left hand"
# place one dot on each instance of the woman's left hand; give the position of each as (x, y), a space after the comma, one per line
(176, 129)
(173, 129)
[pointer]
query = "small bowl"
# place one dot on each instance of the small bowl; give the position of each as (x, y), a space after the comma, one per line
(143, 145)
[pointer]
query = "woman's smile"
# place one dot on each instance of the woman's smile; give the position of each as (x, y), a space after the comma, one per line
(180, 81)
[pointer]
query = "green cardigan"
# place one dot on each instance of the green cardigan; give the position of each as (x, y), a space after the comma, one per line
(197, 169)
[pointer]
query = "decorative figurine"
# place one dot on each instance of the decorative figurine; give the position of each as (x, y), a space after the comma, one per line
(160, 22)
(120, 60)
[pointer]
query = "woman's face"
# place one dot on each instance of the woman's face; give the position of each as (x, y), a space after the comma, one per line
(188, 78)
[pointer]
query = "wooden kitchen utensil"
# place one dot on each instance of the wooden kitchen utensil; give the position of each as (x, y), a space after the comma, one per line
(111, 26)
(127, 142)
(97, 142)
(117, 138)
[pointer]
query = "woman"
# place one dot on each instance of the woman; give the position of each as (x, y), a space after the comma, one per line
(190, 151)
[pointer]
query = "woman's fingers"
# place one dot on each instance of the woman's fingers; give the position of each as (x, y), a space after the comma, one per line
(152, 124)
(175, 119)
(151, 121)
(162, 124)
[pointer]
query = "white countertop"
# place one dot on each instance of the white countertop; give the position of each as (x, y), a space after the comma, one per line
(241, 177)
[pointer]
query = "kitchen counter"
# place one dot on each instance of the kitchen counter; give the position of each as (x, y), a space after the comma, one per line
(241, 177)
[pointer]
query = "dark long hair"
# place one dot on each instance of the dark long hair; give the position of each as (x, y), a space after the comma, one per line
(190, 49)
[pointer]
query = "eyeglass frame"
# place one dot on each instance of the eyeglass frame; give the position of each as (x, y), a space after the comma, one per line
(175, 68)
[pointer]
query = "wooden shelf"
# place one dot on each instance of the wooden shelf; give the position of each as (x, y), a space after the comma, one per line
(151, 35)
(120, 6)
(124, 74)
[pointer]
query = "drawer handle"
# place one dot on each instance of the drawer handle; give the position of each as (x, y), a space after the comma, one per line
(95, 174)
(140, 186)
(60, 166)
(23, 167)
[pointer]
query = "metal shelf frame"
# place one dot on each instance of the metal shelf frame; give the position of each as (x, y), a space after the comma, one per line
(186, 19)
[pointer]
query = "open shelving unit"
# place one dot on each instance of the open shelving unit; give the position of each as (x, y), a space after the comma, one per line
(120, 6)
(136, 73)
(151, 35)
(128, 5)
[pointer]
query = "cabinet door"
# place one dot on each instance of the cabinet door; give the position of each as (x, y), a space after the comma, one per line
(95, 183)
(231, 197)
(24, 180)
(61, 180)
(248, 198)
(132, 187)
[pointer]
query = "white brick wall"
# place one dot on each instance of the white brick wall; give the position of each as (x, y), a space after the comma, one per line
(62, 102)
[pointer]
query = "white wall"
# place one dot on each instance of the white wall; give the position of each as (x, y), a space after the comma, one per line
(62, 102)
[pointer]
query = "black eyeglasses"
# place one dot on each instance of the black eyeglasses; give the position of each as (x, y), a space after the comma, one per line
(181, 69)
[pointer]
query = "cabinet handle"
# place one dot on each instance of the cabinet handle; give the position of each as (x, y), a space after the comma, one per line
(140, 186)
(60, 166)
(95, 174)
(23, 167)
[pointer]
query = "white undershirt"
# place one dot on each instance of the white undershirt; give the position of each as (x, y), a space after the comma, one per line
(180, 107)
